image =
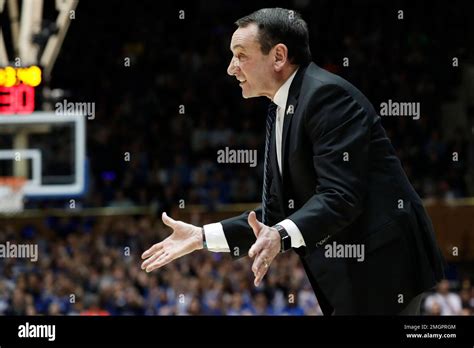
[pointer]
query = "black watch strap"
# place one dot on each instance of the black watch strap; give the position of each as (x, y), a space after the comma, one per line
(285, 238)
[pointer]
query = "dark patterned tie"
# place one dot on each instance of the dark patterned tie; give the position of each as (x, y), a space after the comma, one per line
(271, 116)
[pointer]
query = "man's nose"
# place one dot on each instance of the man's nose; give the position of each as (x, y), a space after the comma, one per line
(232, 67)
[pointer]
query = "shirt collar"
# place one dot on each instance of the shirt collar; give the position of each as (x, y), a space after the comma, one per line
(281, 95)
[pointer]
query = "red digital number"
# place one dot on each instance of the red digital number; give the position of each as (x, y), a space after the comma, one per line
(18, 99)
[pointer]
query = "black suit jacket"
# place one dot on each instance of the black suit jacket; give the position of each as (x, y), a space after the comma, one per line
(343, 183)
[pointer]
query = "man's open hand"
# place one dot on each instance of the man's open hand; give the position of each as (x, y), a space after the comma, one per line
(267, 246)
(185, 239)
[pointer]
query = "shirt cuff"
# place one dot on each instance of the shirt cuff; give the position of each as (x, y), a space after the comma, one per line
(215, 238)
(294, 232)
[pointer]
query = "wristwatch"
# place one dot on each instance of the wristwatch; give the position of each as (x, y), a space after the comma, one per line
(285, 238)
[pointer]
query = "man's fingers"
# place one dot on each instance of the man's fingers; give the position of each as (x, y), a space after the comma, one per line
(254, 223)
(160, 262)
(260, 266)
(156, 247)
(261, 273)
(152, 258)
(261, 262)
(256, 248)
(259, 277)
(167, 220)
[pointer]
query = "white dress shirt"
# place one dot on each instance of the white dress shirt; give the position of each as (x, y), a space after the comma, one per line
(215, 237)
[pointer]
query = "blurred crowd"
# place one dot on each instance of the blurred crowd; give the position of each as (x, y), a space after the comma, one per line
(446, 302)
(91, 266)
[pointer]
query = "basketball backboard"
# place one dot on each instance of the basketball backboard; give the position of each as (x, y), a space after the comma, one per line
(48, 150)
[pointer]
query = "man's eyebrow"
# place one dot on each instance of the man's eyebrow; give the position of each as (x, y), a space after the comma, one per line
(237, 46)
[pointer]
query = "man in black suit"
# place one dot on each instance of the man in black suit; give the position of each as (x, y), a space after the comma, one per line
(334, 190)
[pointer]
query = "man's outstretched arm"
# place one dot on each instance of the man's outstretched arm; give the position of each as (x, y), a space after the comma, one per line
(187, 238)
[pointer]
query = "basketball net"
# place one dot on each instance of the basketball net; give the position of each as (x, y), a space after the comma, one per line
(11, 194)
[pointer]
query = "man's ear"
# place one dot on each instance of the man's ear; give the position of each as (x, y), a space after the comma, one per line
(280, 56)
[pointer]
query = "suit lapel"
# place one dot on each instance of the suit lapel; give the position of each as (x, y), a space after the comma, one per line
(289, 112)
(291, 104)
